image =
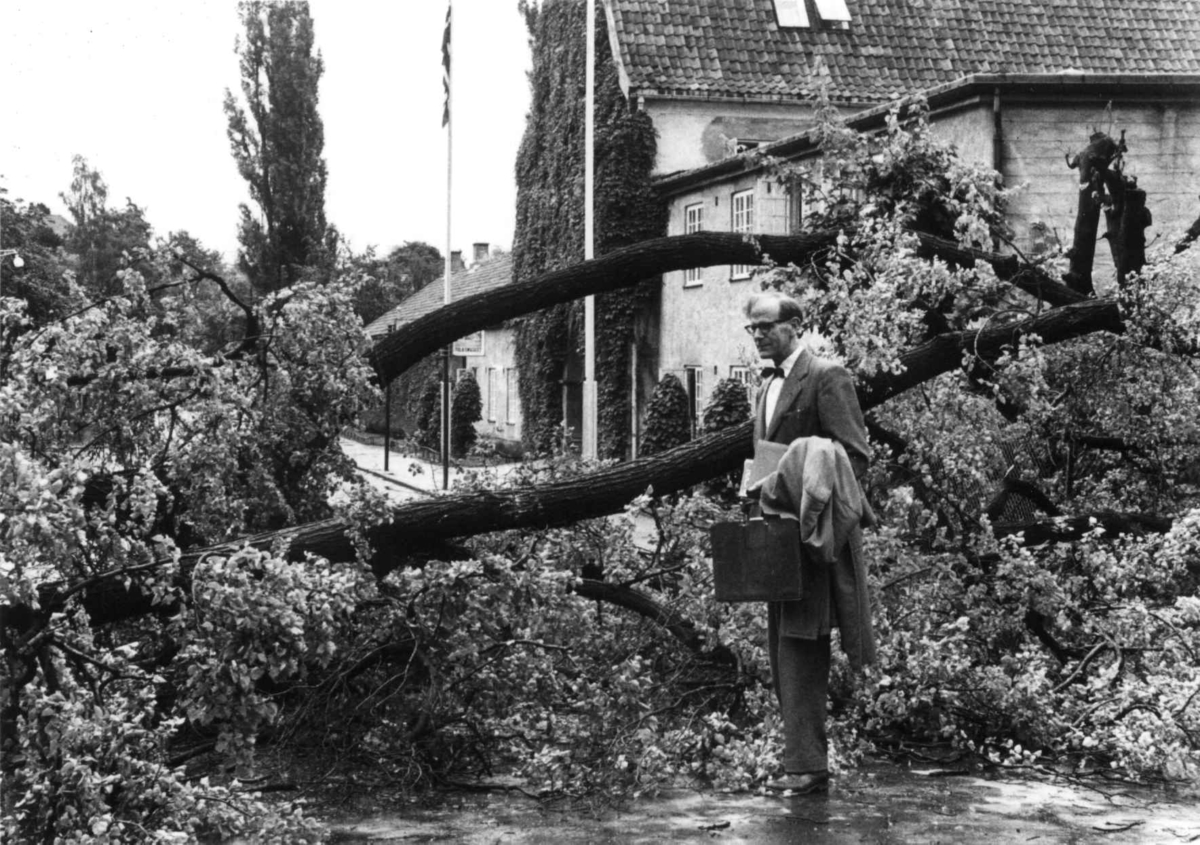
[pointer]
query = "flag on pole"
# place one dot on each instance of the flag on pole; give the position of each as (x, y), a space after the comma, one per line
(446, 398)
(446, 67)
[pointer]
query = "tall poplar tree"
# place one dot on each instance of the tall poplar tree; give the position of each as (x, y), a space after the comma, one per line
(277, 139)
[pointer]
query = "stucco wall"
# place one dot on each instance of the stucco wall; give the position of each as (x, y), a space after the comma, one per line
(701, 321)
(969, 129)
(496, 371)
(1164, 155)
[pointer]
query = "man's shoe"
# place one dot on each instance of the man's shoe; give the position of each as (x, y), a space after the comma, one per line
(800, 784)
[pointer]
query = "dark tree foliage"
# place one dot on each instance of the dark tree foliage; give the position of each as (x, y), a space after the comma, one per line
(550, 219)
(102, 239)
(405, 270)
(41, 279)
(466, 409)
(208, 319)
(729, 406)
(668, 423)
(277, 139)
(429, 415)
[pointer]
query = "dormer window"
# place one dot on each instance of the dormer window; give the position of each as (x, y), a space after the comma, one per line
(791, 13)
(833, 13)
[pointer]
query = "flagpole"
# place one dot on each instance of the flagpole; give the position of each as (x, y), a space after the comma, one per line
(449, 262)
(589, 231)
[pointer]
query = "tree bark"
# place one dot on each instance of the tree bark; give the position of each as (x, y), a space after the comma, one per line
(1126, 220)
(1068, 528)
(1092, 163)
(621, 268)
(1189, 237)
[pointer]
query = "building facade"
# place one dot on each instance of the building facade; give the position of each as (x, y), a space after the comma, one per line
(1014, 84)
(488, 355)
(1022, 126)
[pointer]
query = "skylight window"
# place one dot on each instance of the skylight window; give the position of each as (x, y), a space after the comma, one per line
(833, 10)
(791, 13)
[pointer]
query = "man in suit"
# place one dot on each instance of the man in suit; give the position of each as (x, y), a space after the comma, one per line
(807, 396)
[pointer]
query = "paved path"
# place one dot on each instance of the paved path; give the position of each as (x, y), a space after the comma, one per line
(878, 804)
(404, 478)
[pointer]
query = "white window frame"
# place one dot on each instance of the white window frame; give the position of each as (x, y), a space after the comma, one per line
(743, 374)
(693, 221)
(697, 397)
(833, 11)
(791, 13)
(741, 220)
(491, 404)
(510, 395)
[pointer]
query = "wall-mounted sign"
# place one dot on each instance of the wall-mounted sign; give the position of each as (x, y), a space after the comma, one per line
(472, 344)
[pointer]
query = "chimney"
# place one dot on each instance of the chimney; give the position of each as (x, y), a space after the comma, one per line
(481, 252)
(456, 262)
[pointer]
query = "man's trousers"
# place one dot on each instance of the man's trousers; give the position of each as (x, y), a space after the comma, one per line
(800, 671)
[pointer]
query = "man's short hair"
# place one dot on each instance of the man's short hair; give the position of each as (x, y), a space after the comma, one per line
(789, 308)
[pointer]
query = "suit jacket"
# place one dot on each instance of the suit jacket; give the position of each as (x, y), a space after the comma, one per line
(818, 400)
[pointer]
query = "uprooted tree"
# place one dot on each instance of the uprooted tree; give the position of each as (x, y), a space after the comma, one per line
(1037, 460)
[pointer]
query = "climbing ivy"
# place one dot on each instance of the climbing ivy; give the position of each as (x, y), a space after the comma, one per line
(550, 220)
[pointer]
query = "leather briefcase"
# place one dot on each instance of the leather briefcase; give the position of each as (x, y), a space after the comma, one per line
(757, 560)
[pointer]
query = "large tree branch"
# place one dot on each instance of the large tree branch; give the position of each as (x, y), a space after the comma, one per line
(1065, 529)
(1189, 237)
(1028, 277)
(396, 352)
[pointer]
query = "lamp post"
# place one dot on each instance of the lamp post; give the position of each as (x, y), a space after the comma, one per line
(18, 261)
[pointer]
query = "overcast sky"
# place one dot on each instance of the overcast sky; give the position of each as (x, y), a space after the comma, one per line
(136, 87)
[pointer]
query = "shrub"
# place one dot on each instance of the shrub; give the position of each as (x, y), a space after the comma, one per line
(465, 411)
(729, 406)
(429, 415)
(668, 419)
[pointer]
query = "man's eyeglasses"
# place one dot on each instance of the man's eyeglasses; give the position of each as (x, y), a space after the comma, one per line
(753, 329)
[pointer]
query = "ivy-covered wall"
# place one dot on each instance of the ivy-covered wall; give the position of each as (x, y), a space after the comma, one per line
(550, 220)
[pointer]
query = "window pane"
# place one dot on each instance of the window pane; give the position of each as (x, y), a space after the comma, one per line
(833, 10)
(791, 13)
(693, 222)
(743, 221)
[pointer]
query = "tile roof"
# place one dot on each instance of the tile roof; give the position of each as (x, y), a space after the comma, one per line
(734, 48)
(491, 274)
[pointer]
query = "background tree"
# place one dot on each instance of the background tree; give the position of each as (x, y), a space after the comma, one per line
(391, 280)
(42, 279)
(103, 239)
(204, 315)
(277, 140)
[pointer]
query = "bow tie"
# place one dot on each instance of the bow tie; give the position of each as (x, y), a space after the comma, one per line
(768, 372)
